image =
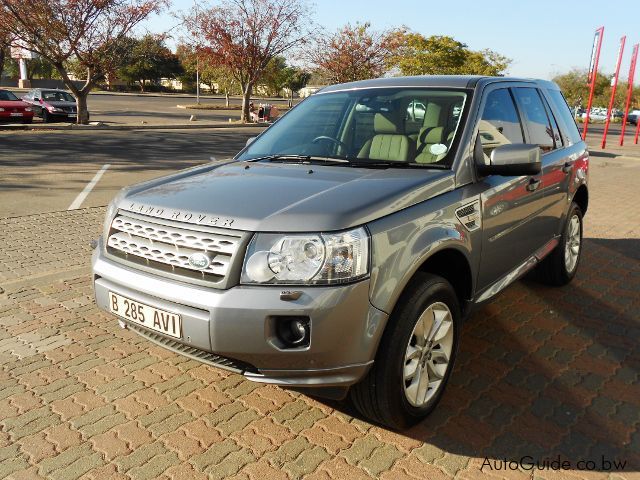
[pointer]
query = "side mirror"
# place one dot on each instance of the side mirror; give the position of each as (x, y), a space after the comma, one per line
(509, 160)
(250, 141)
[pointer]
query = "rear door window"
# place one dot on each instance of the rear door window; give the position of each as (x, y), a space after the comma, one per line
(565, 118)
(535, 118)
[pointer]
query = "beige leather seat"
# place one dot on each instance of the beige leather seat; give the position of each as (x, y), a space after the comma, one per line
(389, 142)
(427, 137)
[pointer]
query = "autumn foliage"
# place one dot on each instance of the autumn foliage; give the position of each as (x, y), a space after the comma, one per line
(89, 33)
(244, 35)
(353, 53)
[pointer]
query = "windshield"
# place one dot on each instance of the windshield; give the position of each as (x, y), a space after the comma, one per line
(57, 97)
(6, 95)
(394, 127)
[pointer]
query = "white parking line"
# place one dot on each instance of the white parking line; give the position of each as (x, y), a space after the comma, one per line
(87, 189)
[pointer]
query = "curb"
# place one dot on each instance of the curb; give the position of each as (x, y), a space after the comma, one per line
(129, 127)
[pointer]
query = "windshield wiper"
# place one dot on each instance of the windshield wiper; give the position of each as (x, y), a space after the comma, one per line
(382, 164)
(297, 159)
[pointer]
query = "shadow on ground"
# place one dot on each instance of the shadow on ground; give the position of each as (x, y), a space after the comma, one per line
(543, 371)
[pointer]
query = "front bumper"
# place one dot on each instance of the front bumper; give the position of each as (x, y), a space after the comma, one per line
(221, 325)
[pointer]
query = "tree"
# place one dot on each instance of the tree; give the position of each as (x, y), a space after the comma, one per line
(150, 60)
(353, 53)
(244, 35)
(88, 32)
(576, 90)
(4, 50)
(295, 80)
(275, 75)
(211, 75)
(415, 54)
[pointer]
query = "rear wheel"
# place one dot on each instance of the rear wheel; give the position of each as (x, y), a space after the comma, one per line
(27, 120)
(561, 265)
(415, 357)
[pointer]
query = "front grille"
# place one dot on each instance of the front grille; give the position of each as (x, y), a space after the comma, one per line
(69, 109)
(194, 353)
(166, 246)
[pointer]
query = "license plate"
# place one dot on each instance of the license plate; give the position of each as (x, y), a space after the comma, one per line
(73, 115)
(16, 114)
(161, 321)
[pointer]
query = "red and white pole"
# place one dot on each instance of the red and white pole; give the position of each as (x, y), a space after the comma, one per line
(614, 84)
(632, 73)
(593, 74)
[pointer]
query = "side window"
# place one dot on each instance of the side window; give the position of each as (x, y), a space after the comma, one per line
(535, 118)
(554, 125)
(499, 124)
(570, 130)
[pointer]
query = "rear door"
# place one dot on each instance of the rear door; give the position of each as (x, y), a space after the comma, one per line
(510, 205)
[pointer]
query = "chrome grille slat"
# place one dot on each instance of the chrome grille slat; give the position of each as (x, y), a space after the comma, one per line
(167, 247)
(165, 253)
(182, 237)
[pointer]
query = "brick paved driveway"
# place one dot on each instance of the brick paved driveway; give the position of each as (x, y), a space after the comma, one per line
(542, 372)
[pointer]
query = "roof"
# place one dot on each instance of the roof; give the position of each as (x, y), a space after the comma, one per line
(449, 81)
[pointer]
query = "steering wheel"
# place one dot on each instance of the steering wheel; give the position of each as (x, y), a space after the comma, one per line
(331, 139)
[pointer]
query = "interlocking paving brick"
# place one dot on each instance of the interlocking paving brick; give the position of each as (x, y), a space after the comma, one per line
(541, 371)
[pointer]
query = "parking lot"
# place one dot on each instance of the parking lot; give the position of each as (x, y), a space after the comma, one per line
(541, 373)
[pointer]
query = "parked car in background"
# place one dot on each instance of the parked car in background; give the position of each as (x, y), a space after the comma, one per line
(632, 118)
(52, 104)
(13, 109)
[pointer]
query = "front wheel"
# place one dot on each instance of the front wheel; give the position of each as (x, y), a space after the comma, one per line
(415, 357)
(561, 265)
(46, 117)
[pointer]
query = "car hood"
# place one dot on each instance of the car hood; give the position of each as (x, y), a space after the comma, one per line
(60, 103)
(276, 197)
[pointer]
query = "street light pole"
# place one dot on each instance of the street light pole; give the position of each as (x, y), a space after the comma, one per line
(195, 5)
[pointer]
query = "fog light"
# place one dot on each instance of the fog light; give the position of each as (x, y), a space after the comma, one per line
(294, 332)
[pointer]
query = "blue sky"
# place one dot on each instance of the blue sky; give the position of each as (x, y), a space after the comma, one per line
(543, 38)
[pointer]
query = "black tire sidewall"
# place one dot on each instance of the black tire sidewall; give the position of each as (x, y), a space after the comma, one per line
(574, 210)
(431, 289)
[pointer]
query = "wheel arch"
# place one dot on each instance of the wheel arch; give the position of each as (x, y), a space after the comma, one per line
(581, 197)
(450, 263)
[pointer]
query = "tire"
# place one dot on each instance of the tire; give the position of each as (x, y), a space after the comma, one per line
(556, 269)
(46, 117)
(385, 395)
(27, 120)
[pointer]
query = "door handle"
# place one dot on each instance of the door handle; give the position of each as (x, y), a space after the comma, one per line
(567, 167)
(533, 185)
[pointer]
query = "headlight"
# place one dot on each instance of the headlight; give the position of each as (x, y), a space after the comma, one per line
(56, 109)
(325, 258)
(28, 109)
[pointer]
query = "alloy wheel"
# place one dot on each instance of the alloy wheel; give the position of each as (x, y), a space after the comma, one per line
(428, 354)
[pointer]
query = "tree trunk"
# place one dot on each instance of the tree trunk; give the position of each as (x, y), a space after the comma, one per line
(141, 82)
(226, 98)
(246, 98)
(81, 103)
(2, 57)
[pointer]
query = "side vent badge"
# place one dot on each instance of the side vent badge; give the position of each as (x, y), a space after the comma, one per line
(469, 215)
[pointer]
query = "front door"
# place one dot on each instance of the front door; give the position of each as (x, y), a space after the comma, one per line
(511, 206)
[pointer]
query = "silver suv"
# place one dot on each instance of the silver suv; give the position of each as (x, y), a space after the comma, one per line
(340, 251)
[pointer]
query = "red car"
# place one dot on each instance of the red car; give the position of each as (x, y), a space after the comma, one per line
(13, 109)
